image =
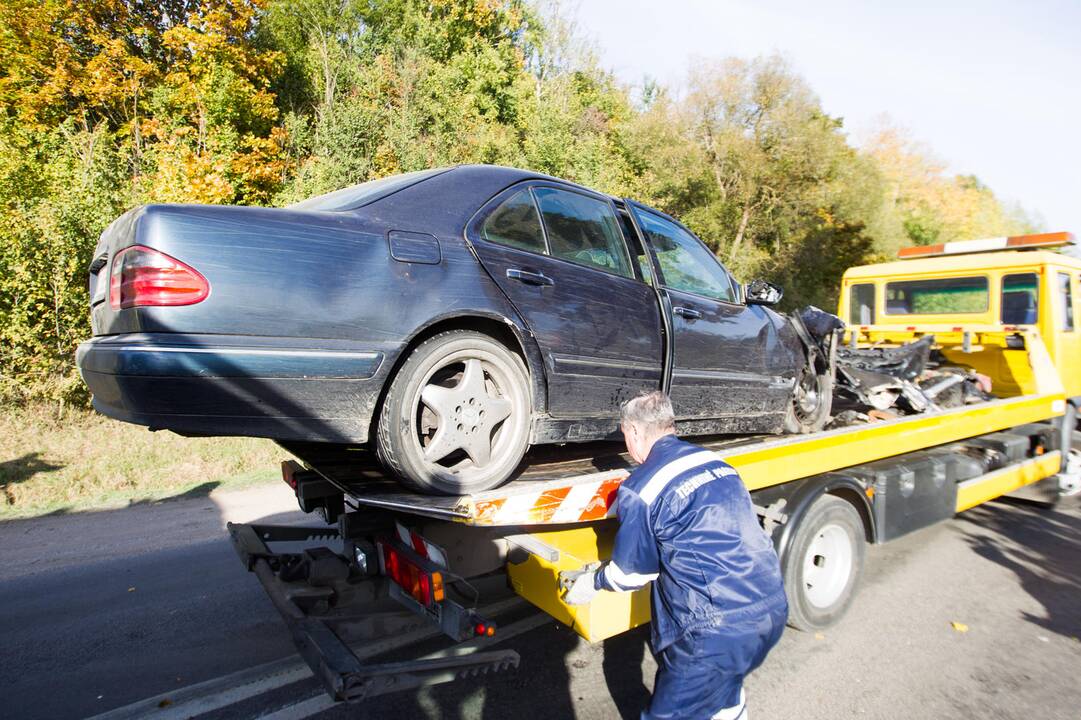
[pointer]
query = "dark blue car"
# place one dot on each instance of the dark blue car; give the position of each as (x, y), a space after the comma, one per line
(448, 318)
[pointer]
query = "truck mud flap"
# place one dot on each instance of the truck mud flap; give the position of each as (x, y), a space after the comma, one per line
(344, 676)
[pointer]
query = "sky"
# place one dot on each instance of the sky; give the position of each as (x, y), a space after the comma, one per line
(993, 88)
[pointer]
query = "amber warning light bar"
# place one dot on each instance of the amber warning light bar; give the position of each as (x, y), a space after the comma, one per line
(1014, 242)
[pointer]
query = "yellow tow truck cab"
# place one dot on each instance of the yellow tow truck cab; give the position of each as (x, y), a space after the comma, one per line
(1011, 283)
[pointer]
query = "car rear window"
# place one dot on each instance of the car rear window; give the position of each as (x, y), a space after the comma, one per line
(937, 296)
(356, 196)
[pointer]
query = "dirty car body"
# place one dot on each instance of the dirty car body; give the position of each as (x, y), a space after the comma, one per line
(295, 323)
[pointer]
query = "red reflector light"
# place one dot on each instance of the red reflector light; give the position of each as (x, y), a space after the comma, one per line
(141, 277)
(289, 471)
(483, 630)
(426, 588)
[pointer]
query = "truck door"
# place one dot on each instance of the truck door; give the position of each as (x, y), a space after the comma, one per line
(1067, 330)
(559, 255)
(721, 366)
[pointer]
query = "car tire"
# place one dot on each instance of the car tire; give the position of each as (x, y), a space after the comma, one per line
(812, 399)
(456, 417)
(823, 563)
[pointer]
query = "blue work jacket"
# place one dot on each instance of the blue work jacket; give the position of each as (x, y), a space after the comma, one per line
(686, 523)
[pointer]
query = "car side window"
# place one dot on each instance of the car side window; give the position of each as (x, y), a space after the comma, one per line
(685, 263)
(637, 251)
(583, 230)
(515, 223)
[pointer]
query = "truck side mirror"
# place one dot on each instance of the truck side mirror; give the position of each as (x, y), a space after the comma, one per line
(760, 292)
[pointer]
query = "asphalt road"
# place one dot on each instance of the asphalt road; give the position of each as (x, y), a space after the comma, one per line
(100, 610)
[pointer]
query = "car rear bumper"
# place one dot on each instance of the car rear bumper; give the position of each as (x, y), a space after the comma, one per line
(235, 385)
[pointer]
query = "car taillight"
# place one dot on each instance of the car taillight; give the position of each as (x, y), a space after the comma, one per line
(141, 276)
(426, 587)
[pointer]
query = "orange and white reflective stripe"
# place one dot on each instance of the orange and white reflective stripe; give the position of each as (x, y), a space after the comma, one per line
(421, 546)
(1012, 242)
(590, 498)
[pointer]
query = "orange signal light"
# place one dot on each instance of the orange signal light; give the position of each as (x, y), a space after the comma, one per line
(921, 251)
(965, 247)
(1052, 239)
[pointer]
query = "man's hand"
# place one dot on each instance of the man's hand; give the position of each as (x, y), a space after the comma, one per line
(577, 585)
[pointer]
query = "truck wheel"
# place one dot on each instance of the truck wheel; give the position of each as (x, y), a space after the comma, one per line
(823, 563)
(812, 399)
(456, 417)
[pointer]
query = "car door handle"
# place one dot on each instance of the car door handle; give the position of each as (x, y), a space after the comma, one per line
(689, 313)
(529, 278)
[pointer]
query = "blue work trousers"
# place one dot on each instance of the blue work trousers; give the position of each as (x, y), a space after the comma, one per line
(702, 672)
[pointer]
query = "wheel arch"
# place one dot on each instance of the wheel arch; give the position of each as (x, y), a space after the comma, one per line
(800, 499)
(506, 331)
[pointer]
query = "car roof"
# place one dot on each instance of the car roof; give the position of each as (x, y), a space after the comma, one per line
(446, 200)
(515, 175)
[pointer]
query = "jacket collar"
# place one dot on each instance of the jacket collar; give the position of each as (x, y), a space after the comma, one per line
(663, 446)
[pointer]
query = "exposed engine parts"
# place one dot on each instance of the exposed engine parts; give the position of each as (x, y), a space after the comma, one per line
(880, 383)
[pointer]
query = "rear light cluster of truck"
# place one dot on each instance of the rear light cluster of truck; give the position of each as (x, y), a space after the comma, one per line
(426, 587)
(144, 277)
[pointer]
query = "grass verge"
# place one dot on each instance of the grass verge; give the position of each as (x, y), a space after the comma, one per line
(85, 461)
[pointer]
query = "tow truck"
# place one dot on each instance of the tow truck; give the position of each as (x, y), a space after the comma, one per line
(387, 561)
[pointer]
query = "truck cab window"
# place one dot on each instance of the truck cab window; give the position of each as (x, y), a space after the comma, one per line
(1065, 301)
(937, 296)
(861, 304)
(1020, 299)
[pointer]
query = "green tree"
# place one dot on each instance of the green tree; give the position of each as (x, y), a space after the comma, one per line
(106, 104)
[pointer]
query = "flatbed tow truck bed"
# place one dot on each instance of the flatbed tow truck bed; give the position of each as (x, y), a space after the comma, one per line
(561, 492)
(431, 554)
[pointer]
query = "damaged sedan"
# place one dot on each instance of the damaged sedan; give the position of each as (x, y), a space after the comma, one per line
(446, 319)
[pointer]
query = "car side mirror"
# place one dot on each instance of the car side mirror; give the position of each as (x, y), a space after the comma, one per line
(760, 292)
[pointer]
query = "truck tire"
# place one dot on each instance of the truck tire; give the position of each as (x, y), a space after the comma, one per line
(812, 399)
(823, 563)
(456, 418)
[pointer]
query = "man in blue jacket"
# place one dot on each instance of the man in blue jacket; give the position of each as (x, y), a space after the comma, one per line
(687, 524)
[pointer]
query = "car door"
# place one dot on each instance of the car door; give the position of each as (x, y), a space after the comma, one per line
(720, 345)
(560, 257)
